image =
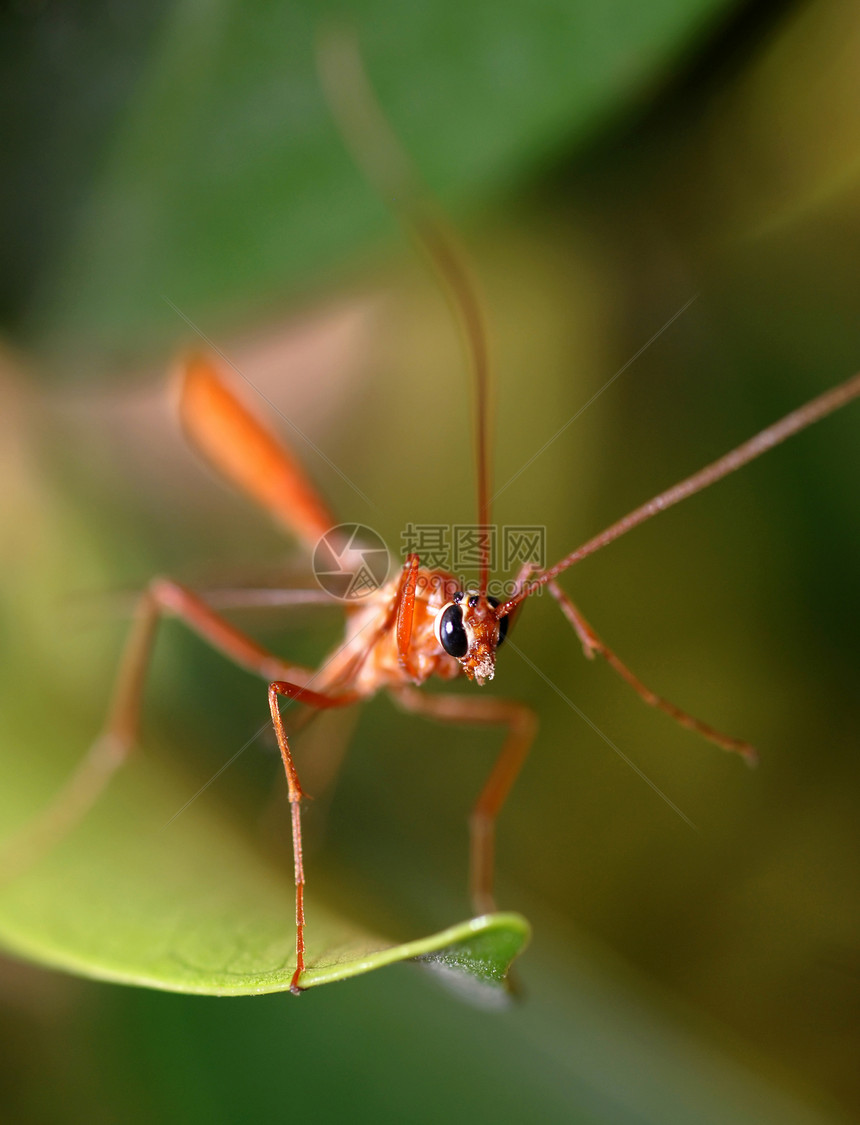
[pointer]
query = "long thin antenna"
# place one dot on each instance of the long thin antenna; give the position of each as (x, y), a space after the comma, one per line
(792, 423)
(380, 156)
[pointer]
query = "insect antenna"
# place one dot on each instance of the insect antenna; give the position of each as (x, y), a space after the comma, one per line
(379, 155)
(786, 427)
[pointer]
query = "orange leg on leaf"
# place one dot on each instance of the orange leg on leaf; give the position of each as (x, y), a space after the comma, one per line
(320, 701)
(162, 598)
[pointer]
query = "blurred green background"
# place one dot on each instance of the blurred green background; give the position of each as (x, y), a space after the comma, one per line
(605, 164)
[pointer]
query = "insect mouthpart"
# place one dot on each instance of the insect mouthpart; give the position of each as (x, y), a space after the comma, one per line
(484, 668)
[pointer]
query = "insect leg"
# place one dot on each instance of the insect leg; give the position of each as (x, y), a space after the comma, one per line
(318, 700)
(161, 598)
(521, 724)
(593, 646)
(406, 614)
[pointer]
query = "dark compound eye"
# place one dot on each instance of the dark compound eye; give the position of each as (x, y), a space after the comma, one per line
(503, 623)
(452, 632)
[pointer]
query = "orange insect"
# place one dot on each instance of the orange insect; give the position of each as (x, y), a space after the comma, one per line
(423, 623)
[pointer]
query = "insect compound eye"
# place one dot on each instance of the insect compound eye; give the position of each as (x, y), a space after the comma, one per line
(503, 621)
(452, 632)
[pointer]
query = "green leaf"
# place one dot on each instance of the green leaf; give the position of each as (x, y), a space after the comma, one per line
(190, 905)
(226, 187)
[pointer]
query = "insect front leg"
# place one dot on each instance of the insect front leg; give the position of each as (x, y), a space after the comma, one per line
(593, 646)
(320, 701)
(113, 746)
(521, 724)
(406, 616)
